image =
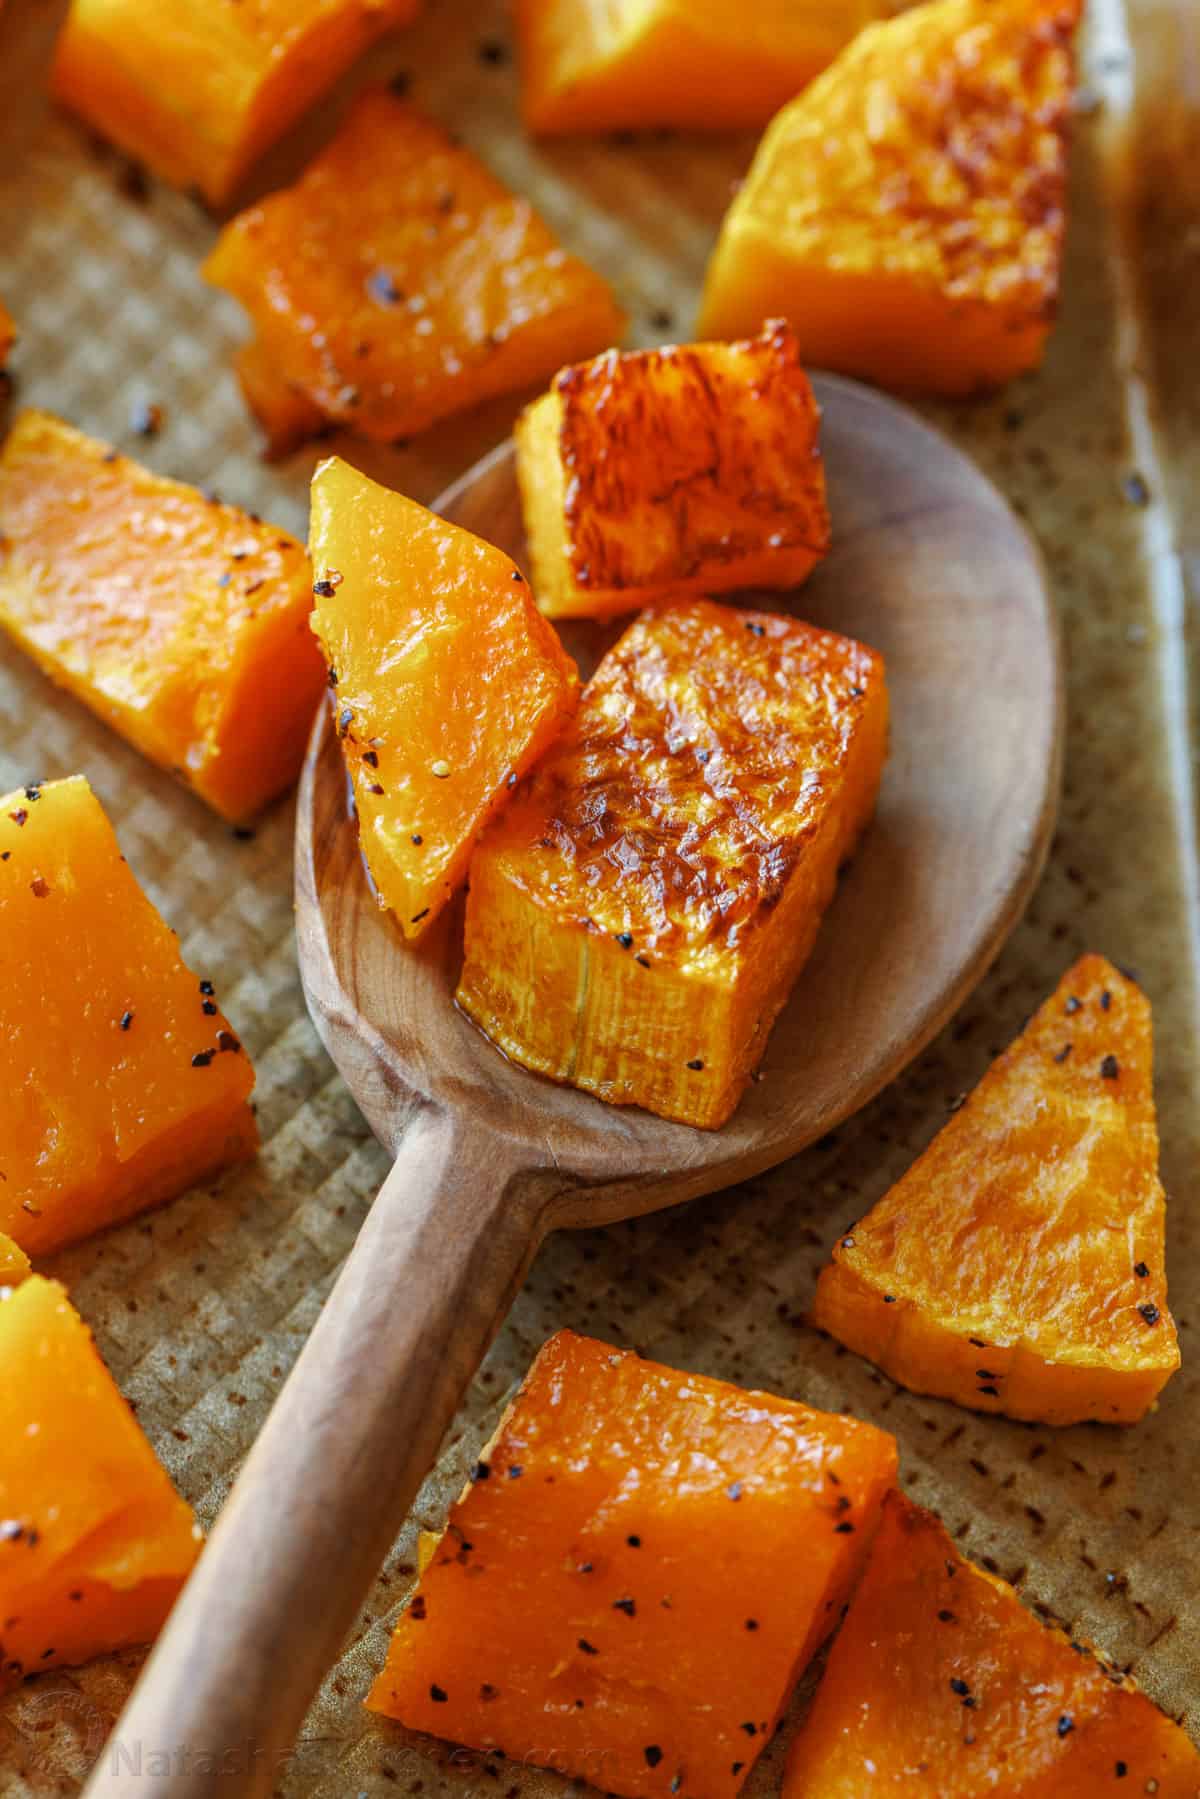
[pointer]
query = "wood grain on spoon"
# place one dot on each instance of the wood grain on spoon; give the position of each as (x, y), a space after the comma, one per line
(929, 566)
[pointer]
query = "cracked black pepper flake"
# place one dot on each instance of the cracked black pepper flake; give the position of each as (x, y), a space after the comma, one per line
(653, 1755)
(208, 1007)
(856, 693)
(438, 1694)
(345, 720)
(1141, 1270)
(515, 1471)
(634, 1542)
(202, 1058)
(207, 987)
(1110, 1068)
(332, 677)
(734, 1490)
(325, 590)
(847, 1242)
(480, 1471)
(751, 1623)
(1106, 1001)
(416, 838)
(488, 1692)
(39, 886)
(1150, 1313)
(751, 1730)
(992, 1392)
(845, 1529)
(625, 939)
(696, 1065)
(19, 816)
(417, 1609)
(945, 1616)
(418, 916)
(628, 1606)
(381, 286)
(11, 1530)
(1121, 1770)
(371, 757)
(228, 1043)
(959, 1686)
(375, 788)
(1063, 1053)
(33, 793)
(1074, 1005)
(126, 1020)
(493, 53)
(587, 1648)
(755, 630)
(1066, 1725)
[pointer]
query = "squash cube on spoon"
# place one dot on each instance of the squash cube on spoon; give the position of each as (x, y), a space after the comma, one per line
(906, 212)
(94, 1541)
(182, 623)
(1018, 1266)
(587, 68)
(447, 682)
(642, 1565)
(638, 916)
(689, 469)
(122, 1081)
(398, 281)
(198, 92)
(940, 1685)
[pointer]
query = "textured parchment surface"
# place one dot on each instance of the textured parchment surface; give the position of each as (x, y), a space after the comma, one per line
(201, 1308)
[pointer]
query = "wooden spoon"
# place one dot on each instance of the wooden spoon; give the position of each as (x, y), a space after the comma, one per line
(931, 567)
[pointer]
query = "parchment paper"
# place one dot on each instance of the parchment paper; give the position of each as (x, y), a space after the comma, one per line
(201, 1308)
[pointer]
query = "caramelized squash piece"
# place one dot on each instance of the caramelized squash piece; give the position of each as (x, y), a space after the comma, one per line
(122, 1081)
(906, 212)
(181, 622)
(288, 417)
(636, 919)
(694, 470)
(1018, 1266)
(701, 65)
(94, 1541)
(940, 1685)
(14, 1263)
(199, 91)
(398, 282)
(641, 1566)
(448, 682)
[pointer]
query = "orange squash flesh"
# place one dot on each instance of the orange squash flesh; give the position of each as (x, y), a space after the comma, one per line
(8, 334)
(122, 1081)
(198, 91)
(637, 918)
(94, 1541)
(940, 1685)
(638, 1572)
(590, 68)
(181, 622)
(1018, 1266)
(288, 417)
(14, 1263)
(448, 682)
(398, 281)
(906, 212)
(691, 469)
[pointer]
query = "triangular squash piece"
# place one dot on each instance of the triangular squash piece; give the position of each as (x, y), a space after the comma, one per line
(1018, 1266)
(905, 212)
(941, 1685)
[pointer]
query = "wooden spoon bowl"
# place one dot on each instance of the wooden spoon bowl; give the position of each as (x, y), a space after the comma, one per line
(929, 566)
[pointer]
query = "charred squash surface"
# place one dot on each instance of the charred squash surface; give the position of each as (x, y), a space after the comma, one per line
(643, 1563)
(398, 281)
(448, 683)
(1018, 1266)
(940, 1685)
(94, 1541)
(198, 92)
(123, 1083)
(182, 623)
(906, 212)
(589, 68)
(692, 469)
(14, 1263)
(637, 918)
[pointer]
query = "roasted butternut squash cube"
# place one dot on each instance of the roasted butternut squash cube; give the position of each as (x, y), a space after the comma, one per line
(701, 65)
(448, 683)
(906, 212)
(676, 470)
(398, 281)
(641, 1566)
(198, 92)
(94, 1541)
(122, 1082)
(8, 334)
(637, 917)
(940, 1685)
(14, 1263)
(181, 622)
(286, 416)
(1018, 1266)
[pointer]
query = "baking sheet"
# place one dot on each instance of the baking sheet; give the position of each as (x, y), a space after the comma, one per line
(202, 1307)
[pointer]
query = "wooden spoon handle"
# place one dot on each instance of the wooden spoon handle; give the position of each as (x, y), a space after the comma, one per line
(332, 1475)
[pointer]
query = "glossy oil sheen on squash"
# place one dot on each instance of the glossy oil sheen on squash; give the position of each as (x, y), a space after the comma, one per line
(398, 281)
(639, 1569)
(181, 622)
(14, 1263)
(694, 469)
(1018, 1266)
(940, 1685)
(637, 918)
(703, 65)
(906, 212)
(122, 1082)
(94, 1541)
(198, 91)
(448, 683)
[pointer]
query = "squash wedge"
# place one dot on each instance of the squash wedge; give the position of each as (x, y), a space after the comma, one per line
(637, 918)
(906, 212)
(448, 683)
(398, 281)
(198, 92)
(693, 469)
(14, 1263)
(182, 623)
(940, 1685)
(1018, 1266)
(637, 1572)
(122, 1081)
